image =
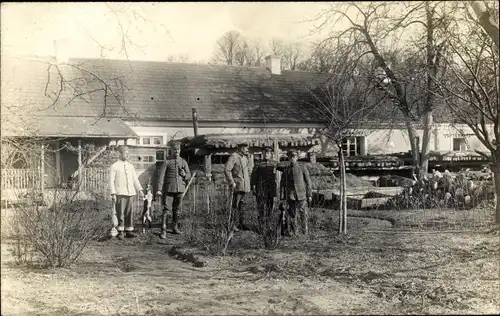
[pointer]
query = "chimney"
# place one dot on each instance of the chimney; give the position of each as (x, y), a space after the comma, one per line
(273, 63)
(61, 50)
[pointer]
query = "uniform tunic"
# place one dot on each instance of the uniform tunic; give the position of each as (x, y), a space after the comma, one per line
(264, 178)
(169, 179)
(237, 170)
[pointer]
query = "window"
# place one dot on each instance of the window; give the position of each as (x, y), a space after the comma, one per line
(157, 140)
(160, 155)
(152, 140)
(459, 144)
(142, 162)
(351, 146)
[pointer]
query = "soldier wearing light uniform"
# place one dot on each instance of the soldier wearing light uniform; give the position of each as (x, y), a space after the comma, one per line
(124, 184)
(237, 170)
(172, 179)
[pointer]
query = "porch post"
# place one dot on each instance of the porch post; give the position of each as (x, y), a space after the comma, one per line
(276, 150)
(278, 173)
(208, 166)
(80, 176)
(42, 168)
(58, 163)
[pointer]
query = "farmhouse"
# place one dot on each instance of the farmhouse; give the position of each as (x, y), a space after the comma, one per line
(78, 111)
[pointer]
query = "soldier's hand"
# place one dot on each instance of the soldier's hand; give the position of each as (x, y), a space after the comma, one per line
(309, 199)
(233, 185)
(182, 173)
(158, 193)
(113, 198)
(141, 194)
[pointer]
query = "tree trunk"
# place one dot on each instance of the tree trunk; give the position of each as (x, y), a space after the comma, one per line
(344, 195)
(426, 138)
(486, 21)
(415, 152)
(495, 168)
(341, 190)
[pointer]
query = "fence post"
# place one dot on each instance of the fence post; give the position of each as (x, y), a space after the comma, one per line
(80, 176)
(42, 169)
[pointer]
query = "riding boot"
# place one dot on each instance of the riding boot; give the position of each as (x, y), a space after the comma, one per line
(293, 227)
(303, 223)
(175, 223)
(163, 225)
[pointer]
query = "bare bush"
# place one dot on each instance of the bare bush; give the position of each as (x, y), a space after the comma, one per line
(210, 222)
(56, 235)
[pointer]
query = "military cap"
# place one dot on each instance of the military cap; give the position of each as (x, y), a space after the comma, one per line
(267, 149)
(292, 152)
(175, 145)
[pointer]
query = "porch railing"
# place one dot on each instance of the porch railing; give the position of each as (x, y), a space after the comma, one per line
(95, 179)
(20, 179)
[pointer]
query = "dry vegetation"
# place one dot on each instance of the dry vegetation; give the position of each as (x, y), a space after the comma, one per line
(376, 269)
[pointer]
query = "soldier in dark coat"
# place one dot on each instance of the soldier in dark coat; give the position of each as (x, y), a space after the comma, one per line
(172, 179)
(263, 184)
(296, 189)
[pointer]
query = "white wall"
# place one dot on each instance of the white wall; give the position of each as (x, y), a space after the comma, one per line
(179, 132)
(378, 141)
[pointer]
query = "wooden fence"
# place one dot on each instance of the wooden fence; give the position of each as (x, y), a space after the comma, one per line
(20, 179)
(94, 179)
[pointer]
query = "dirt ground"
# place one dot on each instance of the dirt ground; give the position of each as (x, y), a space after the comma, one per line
(376, 269)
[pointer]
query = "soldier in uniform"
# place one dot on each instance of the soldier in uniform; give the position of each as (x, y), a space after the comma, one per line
(263, 183)
(237, 170)
(296, 189)
(172, 179)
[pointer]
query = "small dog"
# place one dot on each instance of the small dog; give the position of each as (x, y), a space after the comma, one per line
(147, 208)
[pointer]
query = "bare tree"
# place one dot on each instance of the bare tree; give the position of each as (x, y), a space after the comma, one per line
(321, 59)
(291, 53)
(180, 58)
(486, 20)
(346, 100)
(374, 25)
(471, 87)
(234, 49)
(228, 48)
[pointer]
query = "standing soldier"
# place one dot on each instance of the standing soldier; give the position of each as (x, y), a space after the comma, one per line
(172, 179)
(123, 183)
(296, 189)
(237, 170)
(263, 183)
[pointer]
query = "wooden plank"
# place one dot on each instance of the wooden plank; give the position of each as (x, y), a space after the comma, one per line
(373, 202)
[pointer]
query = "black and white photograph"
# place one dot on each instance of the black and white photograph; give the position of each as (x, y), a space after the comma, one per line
(250, 158)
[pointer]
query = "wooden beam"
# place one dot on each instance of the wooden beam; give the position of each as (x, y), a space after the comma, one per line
(208, 166)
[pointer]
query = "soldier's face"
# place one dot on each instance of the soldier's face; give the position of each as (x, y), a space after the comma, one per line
(268, 155)
(294, 158)
(177, 151)
(124, 154)
(244, 150)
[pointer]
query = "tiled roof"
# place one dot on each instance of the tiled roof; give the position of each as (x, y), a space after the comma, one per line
(146, 90)
(67, 127)
(161, 91)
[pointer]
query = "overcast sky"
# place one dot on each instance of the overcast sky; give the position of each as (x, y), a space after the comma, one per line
(170, 28)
